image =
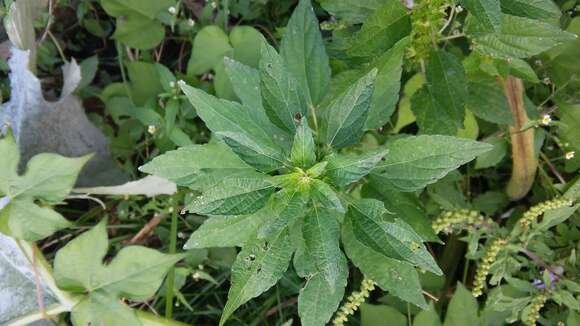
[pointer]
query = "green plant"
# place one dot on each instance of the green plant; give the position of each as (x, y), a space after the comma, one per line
(276, 187)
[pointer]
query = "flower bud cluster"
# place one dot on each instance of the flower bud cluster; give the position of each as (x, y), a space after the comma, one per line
(535, 211)
(535, 307)
(449, 220)
(353, 302)
(483, 269)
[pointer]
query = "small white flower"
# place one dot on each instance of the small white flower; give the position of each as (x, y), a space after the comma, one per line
(546, 81)
(546, 119)
(458, 9)
(569, 155)
(151, 129)
(172, 84)
(190, 22)
(181, 83)
(213, 4)
(172, 10)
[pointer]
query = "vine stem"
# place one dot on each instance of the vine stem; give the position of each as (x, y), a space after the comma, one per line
(171, 276)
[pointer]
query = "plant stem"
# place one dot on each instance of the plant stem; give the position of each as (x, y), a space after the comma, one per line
(171, 275)
(525, 161)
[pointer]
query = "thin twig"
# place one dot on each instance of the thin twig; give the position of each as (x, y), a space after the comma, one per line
(48, 23)
(540, 262)
(39, 292)
(147, 228)
(552, 168)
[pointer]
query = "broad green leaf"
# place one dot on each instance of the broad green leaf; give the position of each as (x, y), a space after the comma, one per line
(48, 177)
(535, 9)
(393, 240)
(372, 315)
(346, 115)
(233, 196)
(304, 54)
(189, 166)
(253, 141)
(227, 231)
(387, 86)
(487, 101)
(23, 219)
(416, 161)
(246, 42)
(135, 273)
(463, 308)
(494, 156)
(432, 116)
(403, 205)
(303, 152)
(427, 317)
(324, 195)
(518, 37)
(396, 277)
(447, 84)
(321, 232)
(245, 81)
(385, 27)
(487, 12)
(259, 265)
(282, 96)
(318, 300)
(352, 11)
(101, 308)
(210, 45)
(145, 81)
(137, 24)
(518, 68)
(344, 169)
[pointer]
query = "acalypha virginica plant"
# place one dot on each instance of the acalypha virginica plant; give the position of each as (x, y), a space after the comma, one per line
(283, 178)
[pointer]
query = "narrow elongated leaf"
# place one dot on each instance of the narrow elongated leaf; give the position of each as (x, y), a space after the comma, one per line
(259, 265)
(416, 161)
(303, 51)
(394, 240)
(518, 37)
(227, 231)
(487, 101)
(245, 81)
(346, 116)
(447, 84)
(318, 300)
(432, 117)
(387, 86)
(403, 205)
(535, 9)
(323, 194)
(396, 277)
(186, 166)
(385, 27)
(253, 141)
(487, 12)
(321, 233)
(344, 169)
(233, 196)
(284, 99)
(303, 152)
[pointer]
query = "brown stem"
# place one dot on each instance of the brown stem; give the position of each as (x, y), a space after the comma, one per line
(525, 161)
